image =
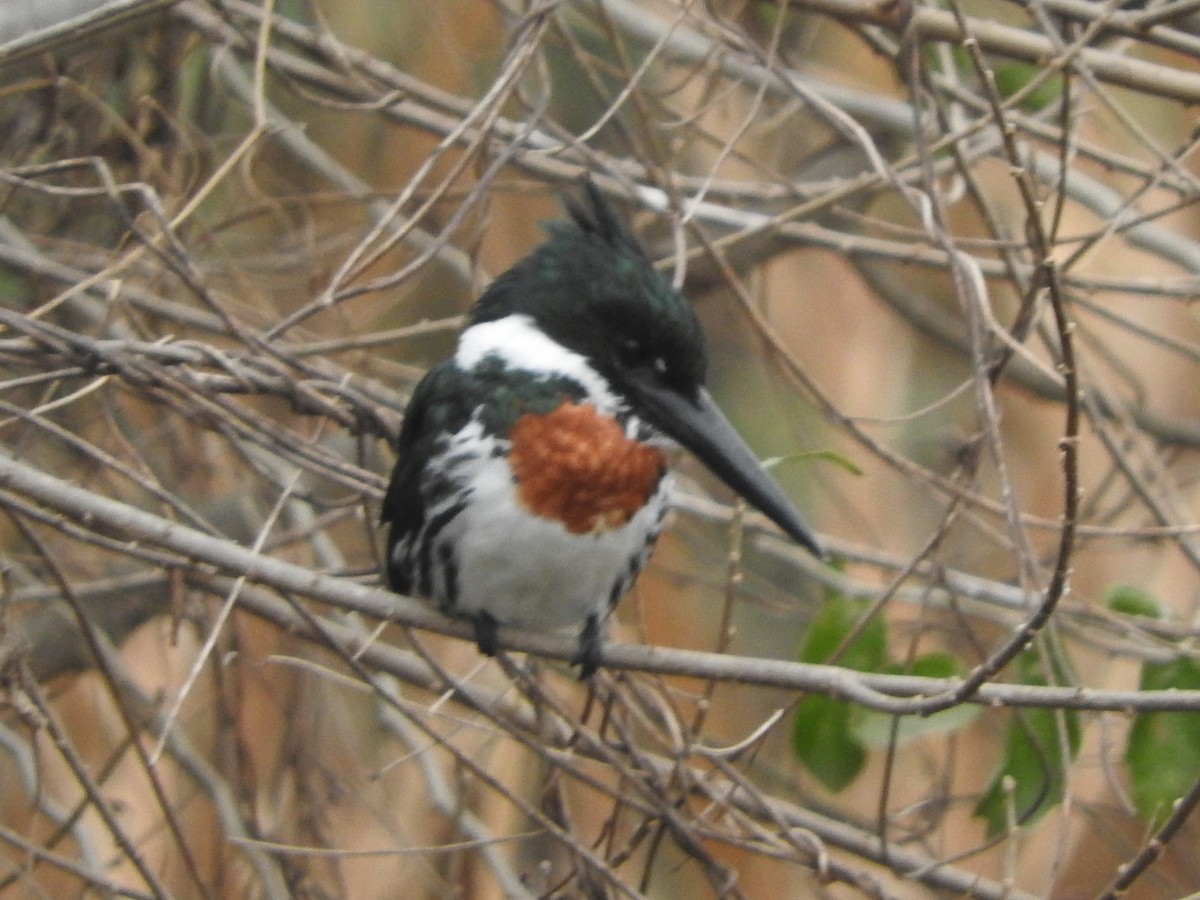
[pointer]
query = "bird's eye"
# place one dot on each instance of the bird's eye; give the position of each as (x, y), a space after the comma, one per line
(631, 349)
(636, 355)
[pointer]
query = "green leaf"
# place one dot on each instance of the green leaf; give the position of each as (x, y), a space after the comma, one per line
(959, 58)
(1014, 77)
(823, 741)
(1133, 601)
(936, 665)
(823, 736)
(831, 737)
(14, 289)
(1163, 753)
(826, 455)
(838, 616)
(875, 729)
(1033, 759)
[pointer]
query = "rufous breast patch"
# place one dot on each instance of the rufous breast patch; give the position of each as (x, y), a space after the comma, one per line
(577, 466)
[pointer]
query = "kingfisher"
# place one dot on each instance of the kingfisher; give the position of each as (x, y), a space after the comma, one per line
(532, 481)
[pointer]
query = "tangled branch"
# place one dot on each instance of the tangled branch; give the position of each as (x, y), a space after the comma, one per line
(945, 260)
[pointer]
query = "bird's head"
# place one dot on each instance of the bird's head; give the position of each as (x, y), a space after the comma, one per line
(591, 288)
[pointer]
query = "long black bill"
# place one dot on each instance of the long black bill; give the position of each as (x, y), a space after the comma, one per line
(700, 426)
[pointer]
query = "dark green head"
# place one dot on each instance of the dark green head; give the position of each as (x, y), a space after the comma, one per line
(591, 288)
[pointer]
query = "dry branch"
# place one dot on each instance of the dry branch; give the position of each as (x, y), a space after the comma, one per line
(233, 235)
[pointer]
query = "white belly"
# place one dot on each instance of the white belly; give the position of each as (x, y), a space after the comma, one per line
(532, 572)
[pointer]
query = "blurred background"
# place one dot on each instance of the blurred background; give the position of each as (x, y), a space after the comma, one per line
(946, 257)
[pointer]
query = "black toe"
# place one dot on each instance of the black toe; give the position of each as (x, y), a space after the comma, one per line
(486, 637)
(591, 647)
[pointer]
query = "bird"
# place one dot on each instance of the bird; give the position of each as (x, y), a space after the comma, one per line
(532, 479)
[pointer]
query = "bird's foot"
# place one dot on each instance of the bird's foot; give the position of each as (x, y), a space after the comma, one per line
(589, 656)
(486, 637)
